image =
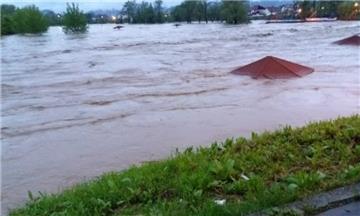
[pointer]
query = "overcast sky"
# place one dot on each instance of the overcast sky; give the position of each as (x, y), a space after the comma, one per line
(85, 5)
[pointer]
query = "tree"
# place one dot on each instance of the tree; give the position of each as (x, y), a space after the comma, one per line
(235, 12)
(7, 23)
(51, 17)
(214, 11)
(347, 10)
(204, 5)
(177, 13)
(144, 13)
(74, 20)
(29, 19)
(307, 8)
(129, 10)
(189, 10)
(159, 15)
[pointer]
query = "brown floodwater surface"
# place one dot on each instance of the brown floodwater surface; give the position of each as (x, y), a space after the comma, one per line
(75, 106)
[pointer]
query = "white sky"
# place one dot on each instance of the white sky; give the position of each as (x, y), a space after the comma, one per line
(85, 5)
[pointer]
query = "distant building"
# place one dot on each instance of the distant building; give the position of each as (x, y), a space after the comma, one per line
(259, 11)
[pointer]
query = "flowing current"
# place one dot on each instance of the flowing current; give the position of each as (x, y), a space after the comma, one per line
(75, 106)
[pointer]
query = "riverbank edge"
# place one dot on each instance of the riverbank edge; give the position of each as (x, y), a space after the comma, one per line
(139, 189)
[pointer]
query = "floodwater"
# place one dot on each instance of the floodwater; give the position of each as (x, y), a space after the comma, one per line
(74, 107)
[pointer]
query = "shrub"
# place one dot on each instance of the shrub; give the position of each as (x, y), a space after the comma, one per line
(74, 20)
(29, 19)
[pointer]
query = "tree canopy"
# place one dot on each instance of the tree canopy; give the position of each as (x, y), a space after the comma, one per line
(7, 23)
(74, 20)
(29, 19)
(235, 12)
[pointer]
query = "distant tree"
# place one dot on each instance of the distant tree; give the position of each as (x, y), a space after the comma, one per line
(29, 19)
(214, 11)
(158, 9)
(52, 18)
(347, 10)
(205, 6)
(7, 23)
(307, 8)
(74, 20)
(129, 10)
(189, 10)
(89, 17)
(145, 13)
(7, 9)
(235, 12)
(201, 10)
(178, 13)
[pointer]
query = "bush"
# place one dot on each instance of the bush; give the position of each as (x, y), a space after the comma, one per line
(74, 20)
(29, 19)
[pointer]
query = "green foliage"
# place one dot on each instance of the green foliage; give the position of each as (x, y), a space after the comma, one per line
(74, 20)
(52, 18)
(129, 9)
(265, 171)
(235, 12)
(202, 10)
(144, 12)
(29, 19)
(214, 11)
(158, 10)
(7, 23)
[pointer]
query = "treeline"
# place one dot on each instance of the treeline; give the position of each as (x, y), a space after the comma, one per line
(233, 12)
(143, 12)
(30, 19)
(343, 10)
(25, 20)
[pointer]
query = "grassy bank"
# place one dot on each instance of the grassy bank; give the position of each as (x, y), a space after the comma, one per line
(266, 170)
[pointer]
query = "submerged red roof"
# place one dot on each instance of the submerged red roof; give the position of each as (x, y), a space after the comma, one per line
(353, 40)
(273, 68)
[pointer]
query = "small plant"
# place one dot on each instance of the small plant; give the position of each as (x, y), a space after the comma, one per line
(74, 20)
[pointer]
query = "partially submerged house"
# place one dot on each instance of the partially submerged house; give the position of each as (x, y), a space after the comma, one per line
(271, 67)
(353, 40)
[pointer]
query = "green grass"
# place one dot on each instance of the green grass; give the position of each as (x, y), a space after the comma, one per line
(267, 170)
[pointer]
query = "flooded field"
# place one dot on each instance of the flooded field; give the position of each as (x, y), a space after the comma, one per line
(74, 107)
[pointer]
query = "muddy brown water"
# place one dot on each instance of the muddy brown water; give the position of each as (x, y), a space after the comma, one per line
(76, 106)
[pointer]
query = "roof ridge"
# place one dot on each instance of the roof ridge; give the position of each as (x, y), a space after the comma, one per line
(280, 61)
(266, 58)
